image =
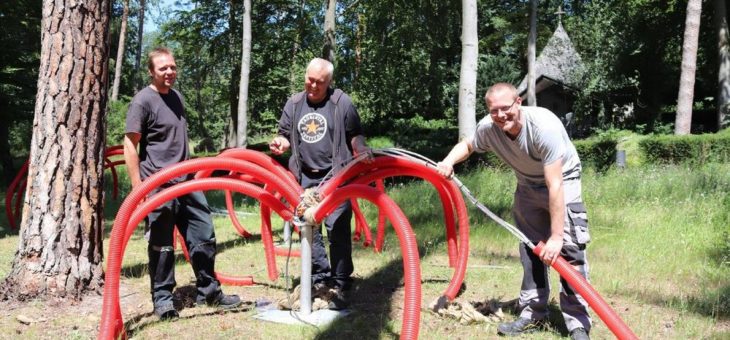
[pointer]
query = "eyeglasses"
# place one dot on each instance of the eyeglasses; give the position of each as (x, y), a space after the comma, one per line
(496, 111)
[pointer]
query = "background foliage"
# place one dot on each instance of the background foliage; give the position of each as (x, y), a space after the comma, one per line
(399, 60)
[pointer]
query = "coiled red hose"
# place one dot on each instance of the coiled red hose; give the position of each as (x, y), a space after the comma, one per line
(450, 191)
(580, 285)
(111, 323)
(409, 249)
(12, 192)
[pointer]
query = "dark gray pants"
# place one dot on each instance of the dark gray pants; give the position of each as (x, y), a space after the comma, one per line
(191, 215)
(532, 216)
(339, 233)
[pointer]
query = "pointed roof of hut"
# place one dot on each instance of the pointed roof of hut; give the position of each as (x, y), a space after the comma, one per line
(558, 61)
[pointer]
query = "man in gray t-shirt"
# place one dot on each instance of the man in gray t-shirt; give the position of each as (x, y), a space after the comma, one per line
(547, 204)
(156, 123)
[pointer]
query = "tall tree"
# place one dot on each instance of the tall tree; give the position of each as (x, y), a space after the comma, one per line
(685, 98)
(60, 246)
(120, 52)
(328, 49)
(138, 56)
(723, 56)
(245, 71)
(531, 47)
(469, 64)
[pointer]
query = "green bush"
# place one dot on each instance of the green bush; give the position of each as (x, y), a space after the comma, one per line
(116, 121)
(691, 149)
(597, 153)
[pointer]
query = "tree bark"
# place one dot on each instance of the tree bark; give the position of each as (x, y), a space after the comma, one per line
(723, 57)
(468, 75)
(120, 52)
(138, 81)
(531, 47)
(685, 97)
(60, 246)
(245, 70)
(328, 50)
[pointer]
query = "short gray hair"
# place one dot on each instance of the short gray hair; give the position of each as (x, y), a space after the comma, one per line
(319, 63)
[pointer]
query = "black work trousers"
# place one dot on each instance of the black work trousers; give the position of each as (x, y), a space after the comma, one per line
(339, 233)
(191, 214)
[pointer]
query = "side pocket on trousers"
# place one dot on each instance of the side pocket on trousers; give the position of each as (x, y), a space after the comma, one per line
(578, 222)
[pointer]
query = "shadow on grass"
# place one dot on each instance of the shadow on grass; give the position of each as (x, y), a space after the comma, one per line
(370, 301)
(183, 297)
(140, 269)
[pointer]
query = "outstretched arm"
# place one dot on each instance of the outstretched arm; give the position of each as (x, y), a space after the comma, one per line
(458, 153)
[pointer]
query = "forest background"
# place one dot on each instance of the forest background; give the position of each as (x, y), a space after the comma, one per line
(399, 60)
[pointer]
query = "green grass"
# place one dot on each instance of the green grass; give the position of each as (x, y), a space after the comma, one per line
(660, 256)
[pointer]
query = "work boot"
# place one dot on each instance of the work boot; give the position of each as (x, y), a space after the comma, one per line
(166, 312)
(220, 301)
(519, 326)
(579, 333)
(339, 300)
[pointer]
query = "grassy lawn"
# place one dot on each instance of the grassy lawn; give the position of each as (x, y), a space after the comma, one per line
(660, 256)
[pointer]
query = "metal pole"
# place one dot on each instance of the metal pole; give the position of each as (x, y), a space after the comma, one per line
(305, 295)
(287, 233)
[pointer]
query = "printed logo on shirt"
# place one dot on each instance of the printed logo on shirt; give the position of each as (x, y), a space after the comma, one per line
(312, 127)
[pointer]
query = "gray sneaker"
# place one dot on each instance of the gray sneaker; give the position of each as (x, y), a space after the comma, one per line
(579, 333)
(519, 326)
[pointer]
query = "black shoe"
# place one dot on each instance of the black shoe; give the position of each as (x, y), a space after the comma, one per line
(579, 333)
(221, 301)
(167, 313)
(339, 300)
(519, 326)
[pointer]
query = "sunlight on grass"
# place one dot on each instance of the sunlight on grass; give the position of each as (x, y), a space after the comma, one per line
(659, 256)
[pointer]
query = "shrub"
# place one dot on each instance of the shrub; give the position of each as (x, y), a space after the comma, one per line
(597, 153)
(691, 149)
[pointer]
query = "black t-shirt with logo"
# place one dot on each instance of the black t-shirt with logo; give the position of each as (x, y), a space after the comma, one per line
(316, 129)
(160, 119)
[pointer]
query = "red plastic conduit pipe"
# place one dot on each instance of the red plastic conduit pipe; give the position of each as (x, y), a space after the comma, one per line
(111, 321)
(406, 238)
(12, 192)
(439, 182)
(579, 283)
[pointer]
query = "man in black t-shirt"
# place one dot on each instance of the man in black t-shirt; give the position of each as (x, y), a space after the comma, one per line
(322, 127)
(156, 122)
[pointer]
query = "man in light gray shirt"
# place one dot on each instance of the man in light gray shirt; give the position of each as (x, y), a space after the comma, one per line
(547, 204)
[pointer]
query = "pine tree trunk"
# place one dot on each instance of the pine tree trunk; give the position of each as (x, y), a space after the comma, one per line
(723, 56)
(531, 47)
(245, 70)
(328, 50)
(120, 52)
(685, 97)
(468, 76)
(138, 56)
(60, 247)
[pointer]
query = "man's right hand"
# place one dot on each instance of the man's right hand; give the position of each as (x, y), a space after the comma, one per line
(279, 145)
(445, 169)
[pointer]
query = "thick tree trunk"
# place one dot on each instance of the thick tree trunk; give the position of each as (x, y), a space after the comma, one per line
(245, 70)
(328, 50)
(120, 52)
(469, 62)
(723, 57)
(531, 47)
(138, 79)
(685, 98)
(60, 247)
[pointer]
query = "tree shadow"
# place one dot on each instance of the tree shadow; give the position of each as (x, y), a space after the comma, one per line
(370, 300)
(183, 298)
(139, 270)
